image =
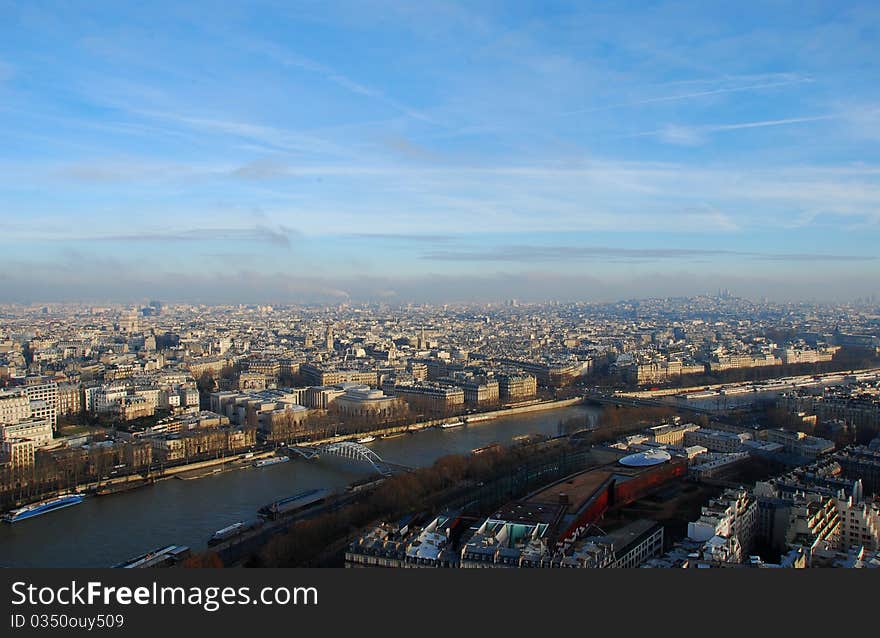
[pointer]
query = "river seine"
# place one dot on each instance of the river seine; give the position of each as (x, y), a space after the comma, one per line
(106, 530)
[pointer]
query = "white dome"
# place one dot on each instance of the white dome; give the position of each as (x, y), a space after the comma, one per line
(643, 459)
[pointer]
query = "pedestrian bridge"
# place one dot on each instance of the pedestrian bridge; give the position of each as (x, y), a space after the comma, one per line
(348, 450)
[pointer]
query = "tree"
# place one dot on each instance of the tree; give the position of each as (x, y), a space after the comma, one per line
(206, 385)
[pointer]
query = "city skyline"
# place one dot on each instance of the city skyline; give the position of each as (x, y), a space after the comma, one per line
(346, 418)
(438, 153)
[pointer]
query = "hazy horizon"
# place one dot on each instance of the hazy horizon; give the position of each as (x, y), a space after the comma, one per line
(449, 293)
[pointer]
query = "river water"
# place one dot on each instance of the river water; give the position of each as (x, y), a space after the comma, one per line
(106, 530)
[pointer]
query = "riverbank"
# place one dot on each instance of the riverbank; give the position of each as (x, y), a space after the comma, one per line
(467, 418)
(188, 471)
(205, 468)
(193, 468)
(236, 460)
(835, 376)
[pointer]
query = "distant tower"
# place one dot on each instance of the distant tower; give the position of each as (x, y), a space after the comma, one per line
(329, 338)
(858, 493)
(422, 342)
(130, 322)
(308, 341)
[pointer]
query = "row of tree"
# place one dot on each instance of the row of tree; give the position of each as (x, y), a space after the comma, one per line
(423, 490)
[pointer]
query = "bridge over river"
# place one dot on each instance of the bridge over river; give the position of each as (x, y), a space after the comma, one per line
(349, 450)
(635, 402)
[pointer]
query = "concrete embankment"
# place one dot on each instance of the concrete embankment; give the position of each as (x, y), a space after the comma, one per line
(824, 376)
(171, 472)
(524, 409)
(192, 469)
(469, 418)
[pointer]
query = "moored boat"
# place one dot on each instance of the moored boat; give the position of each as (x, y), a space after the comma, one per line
(159, 557)
(274, 460)
(293, 504)
(236, 529)
(486, 448)
(43, 507)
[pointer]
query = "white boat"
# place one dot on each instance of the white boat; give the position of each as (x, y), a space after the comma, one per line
(275, 460)
(43, 507)
(454, 424)
(773, 387)
(236, 529)
(706, 394)
(486, 448)
(159, 557)
(367, 439)
(736, 390)
(226, 532)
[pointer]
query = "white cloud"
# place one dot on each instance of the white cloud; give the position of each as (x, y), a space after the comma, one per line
(694, 135)
(406, 198)
(781, 80)
(683, 135)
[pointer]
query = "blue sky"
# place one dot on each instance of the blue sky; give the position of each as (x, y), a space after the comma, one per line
(438, 151)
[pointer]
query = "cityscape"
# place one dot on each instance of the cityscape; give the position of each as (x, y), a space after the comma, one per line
(708, 431)
(441, 285)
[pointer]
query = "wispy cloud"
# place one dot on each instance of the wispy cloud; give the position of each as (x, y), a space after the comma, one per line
(677, 134)
(693, 95)
(291, 59)
(413, 199)
(697, 134)
(737, 79)
(277, 236)
(407, 237)
(526, 254)
(122, 170)
(269, 137)
(764, 123)
(263, 168)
